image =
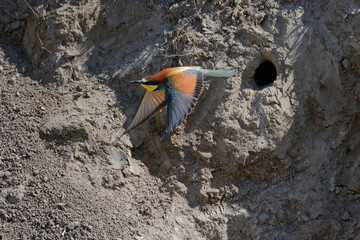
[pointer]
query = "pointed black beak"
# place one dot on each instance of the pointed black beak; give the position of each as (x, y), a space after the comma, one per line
(137, 81)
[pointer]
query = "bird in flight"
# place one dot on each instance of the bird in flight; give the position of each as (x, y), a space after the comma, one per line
(179, 88)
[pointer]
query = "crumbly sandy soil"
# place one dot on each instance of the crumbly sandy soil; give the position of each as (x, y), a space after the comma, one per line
(281, 161)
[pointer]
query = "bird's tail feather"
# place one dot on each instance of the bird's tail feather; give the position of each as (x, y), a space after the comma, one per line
(212, 73)
(218, 73)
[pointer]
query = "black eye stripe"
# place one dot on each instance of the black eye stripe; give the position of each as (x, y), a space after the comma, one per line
(150, 83)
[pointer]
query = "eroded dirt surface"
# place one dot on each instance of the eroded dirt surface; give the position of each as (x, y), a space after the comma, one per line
(281, 161)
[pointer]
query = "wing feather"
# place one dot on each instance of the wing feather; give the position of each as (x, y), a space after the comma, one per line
(181, 95)
(151, 102)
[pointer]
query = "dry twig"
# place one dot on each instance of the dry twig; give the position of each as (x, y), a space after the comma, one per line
(37, 32)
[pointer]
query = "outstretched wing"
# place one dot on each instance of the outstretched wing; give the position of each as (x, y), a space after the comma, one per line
(151, 102)
(181, 94)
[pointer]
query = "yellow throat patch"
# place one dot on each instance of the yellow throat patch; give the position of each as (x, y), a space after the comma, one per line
(149, 87)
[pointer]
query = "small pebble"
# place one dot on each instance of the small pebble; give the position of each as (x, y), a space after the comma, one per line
(15, 195)
(86, 95)
(355, 196)
(305, 218)
(263, 218)
(87, 227)
(12, 81)
(61, 206)
(73, 225)
(346, 63)
(16, 108)
(346, 216)
(336, 225)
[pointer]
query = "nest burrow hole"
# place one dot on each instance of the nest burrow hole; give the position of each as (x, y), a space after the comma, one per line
(265, 73)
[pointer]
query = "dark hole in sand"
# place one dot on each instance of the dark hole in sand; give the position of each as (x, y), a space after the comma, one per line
(265, 73)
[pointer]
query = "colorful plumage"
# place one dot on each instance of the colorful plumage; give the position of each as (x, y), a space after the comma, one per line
(179, 88)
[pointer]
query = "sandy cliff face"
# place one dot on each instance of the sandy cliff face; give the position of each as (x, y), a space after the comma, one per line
(279, 161)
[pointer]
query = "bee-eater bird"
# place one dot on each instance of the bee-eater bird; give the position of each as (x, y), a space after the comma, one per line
(179, 88)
